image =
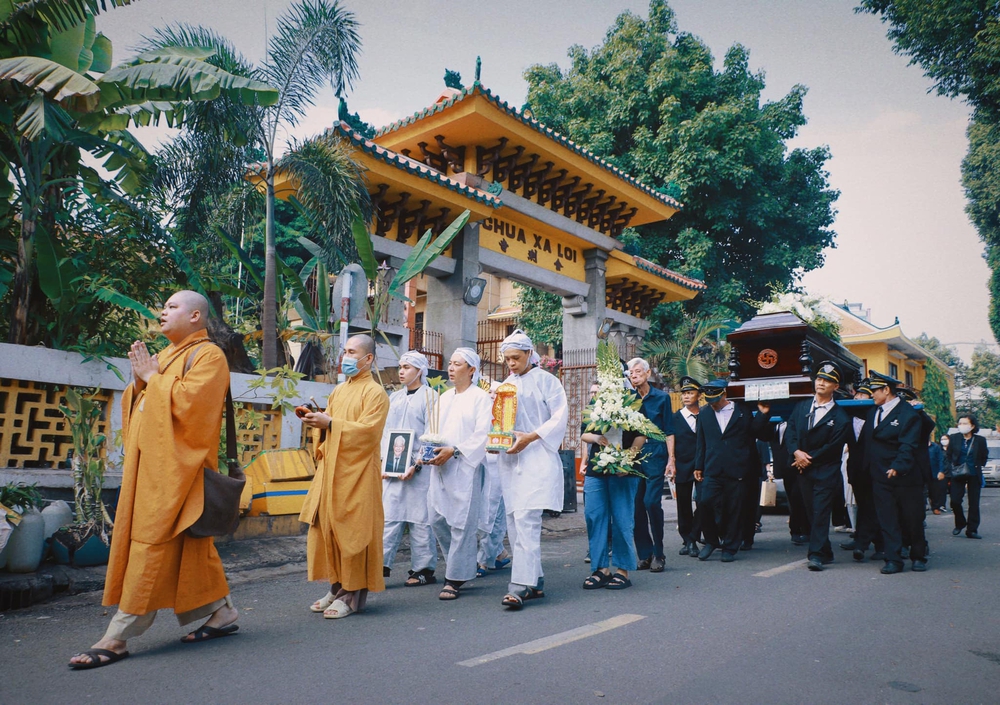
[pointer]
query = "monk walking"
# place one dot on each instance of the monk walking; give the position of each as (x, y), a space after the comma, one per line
(344, 506)
(172, 419)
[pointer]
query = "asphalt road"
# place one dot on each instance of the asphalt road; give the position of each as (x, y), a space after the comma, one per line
(698, 633)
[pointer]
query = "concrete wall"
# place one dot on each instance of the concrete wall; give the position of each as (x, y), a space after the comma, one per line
(37, 364)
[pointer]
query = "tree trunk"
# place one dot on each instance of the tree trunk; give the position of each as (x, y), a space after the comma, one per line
(226, 338)
(269, 317)
(22, 288)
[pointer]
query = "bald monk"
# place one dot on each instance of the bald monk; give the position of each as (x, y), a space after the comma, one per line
(344, 506)
(171, 418)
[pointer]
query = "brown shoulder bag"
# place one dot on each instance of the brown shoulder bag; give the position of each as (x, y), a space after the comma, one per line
(221, 512)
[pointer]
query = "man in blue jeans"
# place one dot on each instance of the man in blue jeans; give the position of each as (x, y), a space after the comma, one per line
(657, 462)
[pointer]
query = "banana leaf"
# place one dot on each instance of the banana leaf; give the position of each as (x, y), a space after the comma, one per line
(426, 252)
(363, 242)
(240, 254)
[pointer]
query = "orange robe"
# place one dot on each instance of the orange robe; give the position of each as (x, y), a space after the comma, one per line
(171, 432)
(344, 504)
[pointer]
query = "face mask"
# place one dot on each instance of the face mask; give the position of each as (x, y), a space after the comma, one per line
(944, 443)
(349, 366)
(964, 428)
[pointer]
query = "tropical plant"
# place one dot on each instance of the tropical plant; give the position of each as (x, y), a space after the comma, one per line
(82, 414)
(16, 494)
(695, 355)
(316, 42)
(541, 315)
(423, 253)
(60, 96)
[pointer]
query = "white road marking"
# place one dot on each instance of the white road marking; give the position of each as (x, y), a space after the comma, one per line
(781, 569)
(560, 639)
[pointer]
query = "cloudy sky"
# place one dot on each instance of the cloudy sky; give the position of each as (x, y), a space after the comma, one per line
(897, 149)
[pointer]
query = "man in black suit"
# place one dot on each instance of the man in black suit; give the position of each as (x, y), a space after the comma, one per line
(816, 434)
(890, 437)
(798, 521)
(867, 529)
(685, 447)
(726, 454)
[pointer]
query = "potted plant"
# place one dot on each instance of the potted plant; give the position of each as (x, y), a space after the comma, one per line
(87, 540)
(22, 551)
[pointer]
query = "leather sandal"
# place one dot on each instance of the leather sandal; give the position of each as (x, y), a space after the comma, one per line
(597, 580)
(338, 610)
(322, 603)
(418, 578)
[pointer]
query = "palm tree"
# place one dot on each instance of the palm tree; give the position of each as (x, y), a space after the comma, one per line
(61, 96)
(316, 41)
(694, 356)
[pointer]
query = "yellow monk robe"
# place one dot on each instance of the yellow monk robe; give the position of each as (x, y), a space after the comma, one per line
(344, 504)
(171, 431)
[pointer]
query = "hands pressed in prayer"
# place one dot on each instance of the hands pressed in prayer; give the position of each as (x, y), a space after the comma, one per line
(144, 365)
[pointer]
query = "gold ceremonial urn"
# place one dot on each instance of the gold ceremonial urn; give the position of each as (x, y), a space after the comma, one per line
(501, 436)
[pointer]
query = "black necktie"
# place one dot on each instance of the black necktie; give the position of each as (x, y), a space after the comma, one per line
(811, 417)
(878, 416)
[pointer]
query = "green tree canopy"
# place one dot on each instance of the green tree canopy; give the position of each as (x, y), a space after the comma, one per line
(541, 316)
(650, 100)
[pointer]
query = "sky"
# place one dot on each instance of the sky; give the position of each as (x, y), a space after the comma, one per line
(896, 147)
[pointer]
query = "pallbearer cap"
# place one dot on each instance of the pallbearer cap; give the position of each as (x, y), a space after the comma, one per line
(715, 389)
(906, 393)
(689, 384)
(879, 380)
(864, 387)
(827, 370)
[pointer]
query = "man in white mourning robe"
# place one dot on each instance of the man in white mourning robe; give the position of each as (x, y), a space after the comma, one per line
(531, 471)
(456, 482)
(404, 499)
(493, 520)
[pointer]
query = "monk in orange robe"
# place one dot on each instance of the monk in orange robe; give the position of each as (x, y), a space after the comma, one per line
(344, 506)
(172, 419)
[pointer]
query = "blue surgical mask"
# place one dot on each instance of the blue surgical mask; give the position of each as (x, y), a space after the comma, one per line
(349, 366)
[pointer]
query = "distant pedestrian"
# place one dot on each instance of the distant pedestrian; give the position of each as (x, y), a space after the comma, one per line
(938, 490)
(967, 454)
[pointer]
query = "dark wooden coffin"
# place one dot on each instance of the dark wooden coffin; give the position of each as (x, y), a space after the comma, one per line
(772, 356)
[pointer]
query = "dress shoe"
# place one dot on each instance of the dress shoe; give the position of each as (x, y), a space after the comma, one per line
(800, 539)
(746, 546)
(693, 549)
(657, 565)
(706, 551)
(858, 555)
(956, 532)
(849, 545)
(973, 535)
(815, 564)
(878, 556)
(728, 557)
(685, 550)
(891, 568)
(643, 564)
(919, 566)
(904, 552)
(386, 571)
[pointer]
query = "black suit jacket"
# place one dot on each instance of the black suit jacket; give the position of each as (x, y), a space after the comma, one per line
(824, 441)
(685, 447)
(856, 468)
(893, 445)
(733, 453)
(978, 450)
(922, 455)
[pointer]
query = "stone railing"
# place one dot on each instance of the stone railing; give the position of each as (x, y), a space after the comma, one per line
(35, 442)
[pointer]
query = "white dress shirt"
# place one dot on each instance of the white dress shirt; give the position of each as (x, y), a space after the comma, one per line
(692, 419)
(724, 414)
(886, 408)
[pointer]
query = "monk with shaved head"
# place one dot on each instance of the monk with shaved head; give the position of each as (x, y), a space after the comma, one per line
(344, 506)
(171, 419)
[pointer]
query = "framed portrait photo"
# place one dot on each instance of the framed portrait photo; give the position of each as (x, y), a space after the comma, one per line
(396, 451)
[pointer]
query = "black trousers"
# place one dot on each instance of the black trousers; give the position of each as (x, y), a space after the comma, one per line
(820, 487)
(721, 502)
(900, 511)
(868, 530)
(648, 530)
(687, 520)
(751, 509)
(975, 484)
(839, 513)
(798, 520)
(938, 491)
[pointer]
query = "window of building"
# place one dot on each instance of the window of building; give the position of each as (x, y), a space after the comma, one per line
(893, 371)
(909, 379)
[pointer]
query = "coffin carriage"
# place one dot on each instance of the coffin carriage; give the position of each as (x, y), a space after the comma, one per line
(772, 356)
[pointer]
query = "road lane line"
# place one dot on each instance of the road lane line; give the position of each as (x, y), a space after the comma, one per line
(560, 639)
(781, 569)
